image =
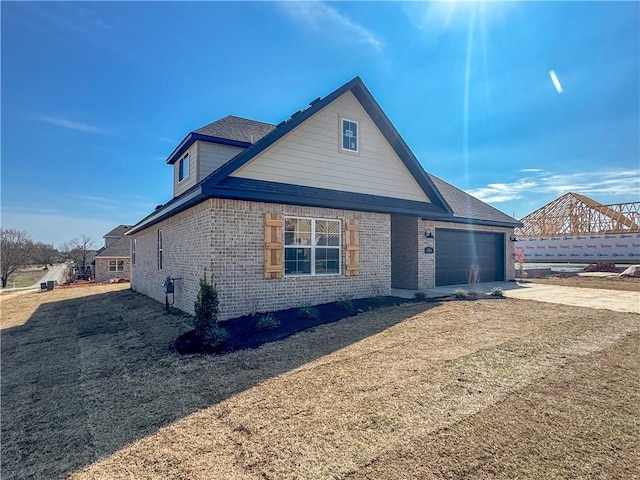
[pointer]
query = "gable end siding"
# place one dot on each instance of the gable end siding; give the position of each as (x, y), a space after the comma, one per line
(189, 181)
(212, 156)
(310, 156)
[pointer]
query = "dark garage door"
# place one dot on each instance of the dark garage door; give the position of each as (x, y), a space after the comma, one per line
(457, 249)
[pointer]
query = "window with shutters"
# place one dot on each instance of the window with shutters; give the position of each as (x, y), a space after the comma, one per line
(312, 246)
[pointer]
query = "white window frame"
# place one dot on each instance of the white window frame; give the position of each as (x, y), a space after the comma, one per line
(349, 150)
(181, 168)
(313, 247)
(159, 249)
(118, 265)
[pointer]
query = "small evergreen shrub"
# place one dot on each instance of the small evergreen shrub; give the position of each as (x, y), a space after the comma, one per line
(420, 296)
(206, 319)
(267, 322)
(460, 293)
(496, 292)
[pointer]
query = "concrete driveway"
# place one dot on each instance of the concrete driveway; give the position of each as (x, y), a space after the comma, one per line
(616, 300)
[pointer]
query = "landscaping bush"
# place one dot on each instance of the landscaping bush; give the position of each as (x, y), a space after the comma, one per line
(267, 322)
(496, 292)
(420, 296)
(211, 335)
(460, 293)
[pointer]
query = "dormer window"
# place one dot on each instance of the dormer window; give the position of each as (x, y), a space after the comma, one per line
(183, 168)
(349, 135)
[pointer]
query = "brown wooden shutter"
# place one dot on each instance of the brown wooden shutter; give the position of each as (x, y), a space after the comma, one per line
(273, 246)
(352, 247)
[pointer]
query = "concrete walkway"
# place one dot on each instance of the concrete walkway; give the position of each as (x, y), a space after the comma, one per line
(616, 300)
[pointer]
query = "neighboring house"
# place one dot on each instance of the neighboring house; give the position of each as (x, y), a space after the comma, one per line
(114, 259)
(328, 204)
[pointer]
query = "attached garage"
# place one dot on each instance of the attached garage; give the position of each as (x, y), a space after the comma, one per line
(457, 249)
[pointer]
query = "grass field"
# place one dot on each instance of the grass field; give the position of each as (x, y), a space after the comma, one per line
(26, 277)
(605, 283)
(475, 389)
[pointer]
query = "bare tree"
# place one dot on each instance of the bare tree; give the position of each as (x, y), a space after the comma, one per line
(15, 252)
(44, 253)
(81, 250)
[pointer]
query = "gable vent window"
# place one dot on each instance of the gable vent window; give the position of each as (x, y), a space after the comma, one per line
(183, 168)
(349, 135)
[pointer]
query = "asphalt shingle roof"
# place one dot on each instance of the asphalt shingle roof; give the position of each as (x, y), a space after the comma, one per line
(120, 248)
(466, 206)
(119, 231)
(238, 129)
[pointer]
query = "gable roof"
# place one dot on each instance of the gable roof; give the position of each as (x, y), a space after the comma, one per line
(220, 183)
(230, 130)
(119, 248)
(377, 115)
(119, 231)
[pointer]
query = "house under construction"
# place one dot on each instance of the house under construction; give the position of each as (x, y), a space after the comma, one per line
(575, 228)
(574, 214)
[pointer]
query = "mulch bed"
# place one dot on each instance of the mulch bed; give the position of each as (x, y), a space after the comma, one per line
(244, 331)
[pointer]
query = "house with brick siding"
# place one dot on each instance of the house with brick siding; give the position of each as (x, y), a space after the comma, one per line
(328, 204)
(113, 261)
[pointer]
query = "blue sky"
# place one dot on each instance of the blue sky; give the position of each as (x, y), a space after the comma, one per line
(96, 95)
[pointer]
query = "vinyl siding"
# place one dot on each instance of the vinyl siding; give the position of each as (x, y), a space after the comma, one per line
(190, 181)
(310, 156)
(212, 156)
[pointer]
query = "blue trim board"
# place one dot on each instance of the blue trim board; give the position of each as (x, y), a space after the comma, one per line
(273, 192)
(193, 137)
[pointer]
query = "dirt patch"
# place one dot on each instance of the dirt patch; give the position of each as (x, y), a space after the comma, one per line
(629, 284)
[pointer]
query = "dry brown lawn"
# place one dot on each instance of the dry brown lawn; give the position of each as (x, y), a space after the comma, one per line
(471, 389)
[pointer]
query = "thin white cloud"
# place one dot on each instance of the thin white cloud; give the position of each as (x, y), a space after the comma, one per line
(324, 18)
(69, 124)
(532, 170)
(502, 192)
(609, 183)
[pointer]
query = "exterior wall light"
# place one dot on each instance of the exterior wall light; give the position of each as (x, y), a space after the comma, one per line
(428, 234)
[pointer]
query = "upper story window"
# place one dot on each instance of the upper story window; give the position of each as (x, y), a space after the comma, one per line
(312, 246)
(349, 135)
(183, 168)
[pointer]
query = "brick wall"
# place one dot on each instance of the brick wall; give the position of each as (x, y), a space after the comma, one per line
(227, 237)
(102, 273)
